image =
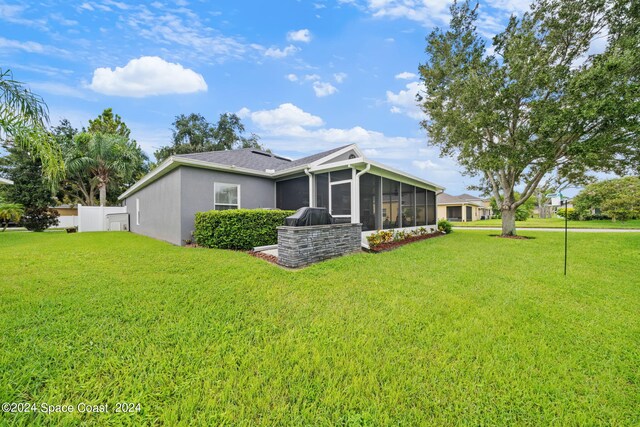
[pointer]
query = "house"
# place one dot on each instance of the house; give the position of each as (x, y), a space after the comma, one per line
(355, 189)
(6, 181)
(462, 208)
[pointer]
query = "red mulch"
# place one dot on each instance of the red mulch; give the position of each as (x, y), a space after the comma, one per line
(392, 245)
(262, 255)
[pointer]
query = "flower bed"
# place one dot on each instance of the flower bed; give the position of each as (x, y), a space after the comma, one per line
(385, 240)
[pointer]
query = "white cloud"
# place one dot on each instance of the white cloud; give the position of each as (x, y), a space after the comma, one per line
(185, 35)
(303, 36)
(146, 76)
(291, 131)
(404, 102)
(59, 89)
(323, 89)
(405, 75)
(340, 77)
(291, 77)
(311, 77)
(274, 52)
(286, 119)
(30, 47)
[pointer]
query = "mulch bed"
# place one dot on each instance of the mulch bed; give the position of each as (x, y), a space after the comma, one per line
(512, 237)
(270, 258)
(393, 245)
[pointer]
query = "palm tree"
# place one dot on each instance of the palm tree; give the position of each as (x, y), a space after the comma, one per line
(23, 119)
(106, 157)
(10, 212)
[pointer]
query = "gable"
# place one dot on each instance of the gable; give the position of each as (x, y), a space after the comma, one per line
(351, 154)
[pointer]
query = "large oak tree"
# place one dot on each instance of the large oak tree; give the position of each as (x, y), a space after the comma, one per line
(536, 103)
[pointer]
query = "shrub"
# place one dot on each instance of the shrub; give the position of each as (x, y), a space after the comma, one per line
(380, 237)
(39, 218)
(238, 228)
(572, 214)
(444, 226)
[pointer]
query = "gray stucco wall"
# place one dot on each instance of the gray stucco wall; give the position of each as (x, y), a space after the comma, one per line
(197, 193)
(168, 205)
(159, 209)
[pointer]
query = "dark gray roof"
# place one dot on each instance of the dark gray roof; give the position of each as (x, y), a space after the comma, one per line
(251, 158)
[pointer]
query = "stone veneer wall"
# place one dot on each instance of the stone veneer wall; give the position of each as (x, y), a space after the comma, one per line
(300, 246)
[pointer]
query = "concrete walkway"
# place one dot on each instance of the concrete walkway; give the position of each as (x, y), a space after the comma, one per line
(577, 230)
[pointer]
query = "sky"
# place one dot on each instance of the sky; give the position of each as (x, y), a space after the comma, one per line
(305, 76)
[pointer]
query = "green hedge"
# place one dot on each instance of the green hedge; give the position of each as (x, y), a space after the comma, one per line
(238, 228)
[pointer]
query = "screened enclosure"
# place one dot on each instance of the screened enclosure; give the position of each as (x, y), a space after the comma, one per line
(386, 204)
(293, 193)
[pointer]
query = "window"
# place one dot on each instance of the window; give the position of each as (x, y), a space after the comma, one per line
(369, 201)
(421, 206)
(431, 207)
(226, 196)
(293, 193)
(322, 190)
(341, 199)
(390, 203)
(408, 205)
(137, 211)
(342, 175)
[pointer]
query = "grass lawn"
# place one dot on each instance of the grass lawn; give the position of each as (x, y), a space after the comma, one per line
(464, 329)
(553, 223)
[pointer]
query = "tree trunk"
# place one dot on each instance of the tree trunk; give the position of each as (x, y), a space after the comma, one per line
(508, 222)
(103, 194)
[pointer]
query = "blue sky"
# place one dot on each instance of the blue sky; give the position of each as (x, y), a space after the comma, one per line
(304, 75)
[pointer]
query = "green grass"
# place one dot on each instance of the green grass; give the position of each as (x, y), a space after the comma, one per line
(553, 223)
(464, 329)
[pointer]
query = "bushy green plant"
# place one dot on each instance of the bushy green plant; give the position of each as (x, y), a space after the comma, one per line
(444, 226)
(238, 228)
(572, 214)
(380, 237)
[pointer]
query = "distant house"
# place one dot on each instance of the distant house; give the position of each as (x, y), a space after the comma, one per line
(462, 208)
(6, 181)
(353, 188)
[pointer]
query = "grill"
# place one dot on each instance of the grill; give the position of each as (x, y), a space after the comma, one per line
(309, 216)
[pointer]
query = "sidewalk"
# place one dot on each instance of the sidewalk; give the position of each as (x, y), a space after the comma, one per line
(577, 230)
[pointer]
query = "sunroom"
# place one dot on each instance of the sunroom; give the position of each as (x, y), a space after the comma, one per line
(362, 191)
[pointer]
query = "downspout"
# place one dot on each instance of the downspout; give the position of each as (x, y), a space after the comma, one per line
(310, 175)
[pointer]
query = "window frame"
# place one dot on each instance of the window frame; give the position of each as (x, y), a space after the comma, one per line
(215, 192)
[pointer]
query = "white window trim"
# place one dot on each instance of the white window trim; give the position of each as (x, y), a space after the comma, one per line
(215, 190)
(137, 211)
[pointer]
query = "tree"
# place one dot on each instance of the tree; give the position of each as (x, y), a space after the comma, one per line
(194, 134)
(618, 199)
(523, 212)
(23, 119)
(538, 105)
(30, 189)
(10, 212)
(108, 123)
(103, 160)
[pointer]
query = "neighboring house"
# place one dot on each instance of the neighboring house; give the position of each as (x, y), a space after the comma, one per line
(66, 210)
(68, 215)
(462, 208)
(6, 181)
(163, 204)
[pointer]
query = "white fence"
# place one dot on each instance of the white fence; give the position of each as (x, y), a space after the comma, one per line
(67, 222)
(94, 218)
